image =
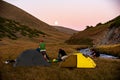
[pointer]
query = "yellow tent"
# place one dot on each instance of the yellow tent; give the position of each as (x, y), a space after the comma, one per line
(78, 60)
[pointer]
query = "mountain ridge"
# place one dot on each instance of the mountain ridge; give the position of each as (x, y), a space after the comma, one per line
(16, 14)
(101, 34)
(65, 29)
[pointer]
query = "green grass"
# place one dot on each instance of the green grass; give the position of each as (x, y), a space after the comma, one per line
(12, 30)
(116, 23)
(82, 41)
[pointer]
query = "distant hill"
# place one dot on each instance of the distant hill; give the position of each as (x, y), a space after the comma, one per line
(65, 30)
(107, 33)
(13, 13)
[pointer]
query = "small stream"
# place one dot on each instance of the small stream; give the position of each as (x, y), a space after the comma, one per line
(88, 52)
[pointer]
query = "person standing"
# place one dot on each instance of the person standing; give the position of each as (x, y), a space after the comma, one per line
(42, 47)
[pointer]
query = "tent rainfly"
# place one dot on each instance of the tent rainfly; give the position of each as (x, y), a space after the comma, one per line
(78, 60)
(31, 58)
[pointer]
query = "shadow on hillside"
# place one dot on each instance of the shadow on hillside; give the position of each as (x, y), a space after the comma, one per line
(0, 76)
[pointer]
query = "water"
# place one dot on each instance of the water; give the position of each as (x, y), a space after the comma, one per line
(88, 52)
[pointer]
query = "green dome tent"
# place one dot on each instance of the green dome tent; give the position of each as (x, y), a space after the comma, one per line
(31, 58)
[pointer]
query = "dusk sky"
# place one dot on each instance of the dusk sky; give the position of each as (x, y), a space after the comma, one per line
(75, 14)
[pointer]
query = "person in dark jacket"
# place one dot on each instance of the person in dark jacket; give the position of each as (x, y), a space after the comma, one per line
(61, 54)
(95, 53)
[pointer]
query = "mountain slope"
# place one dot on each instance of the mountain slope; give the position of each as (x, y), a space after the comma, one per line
(14, 30)
(16, 14)
(12, 12)
(108, 33)
(112, 35)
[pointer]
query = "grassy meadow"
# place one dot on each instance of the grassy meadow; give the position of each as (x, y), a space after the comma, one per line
(106, 69)
(110, 49)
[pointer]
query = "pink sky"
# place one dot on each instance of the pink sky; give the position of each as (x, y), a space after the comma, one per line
(74, 14)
